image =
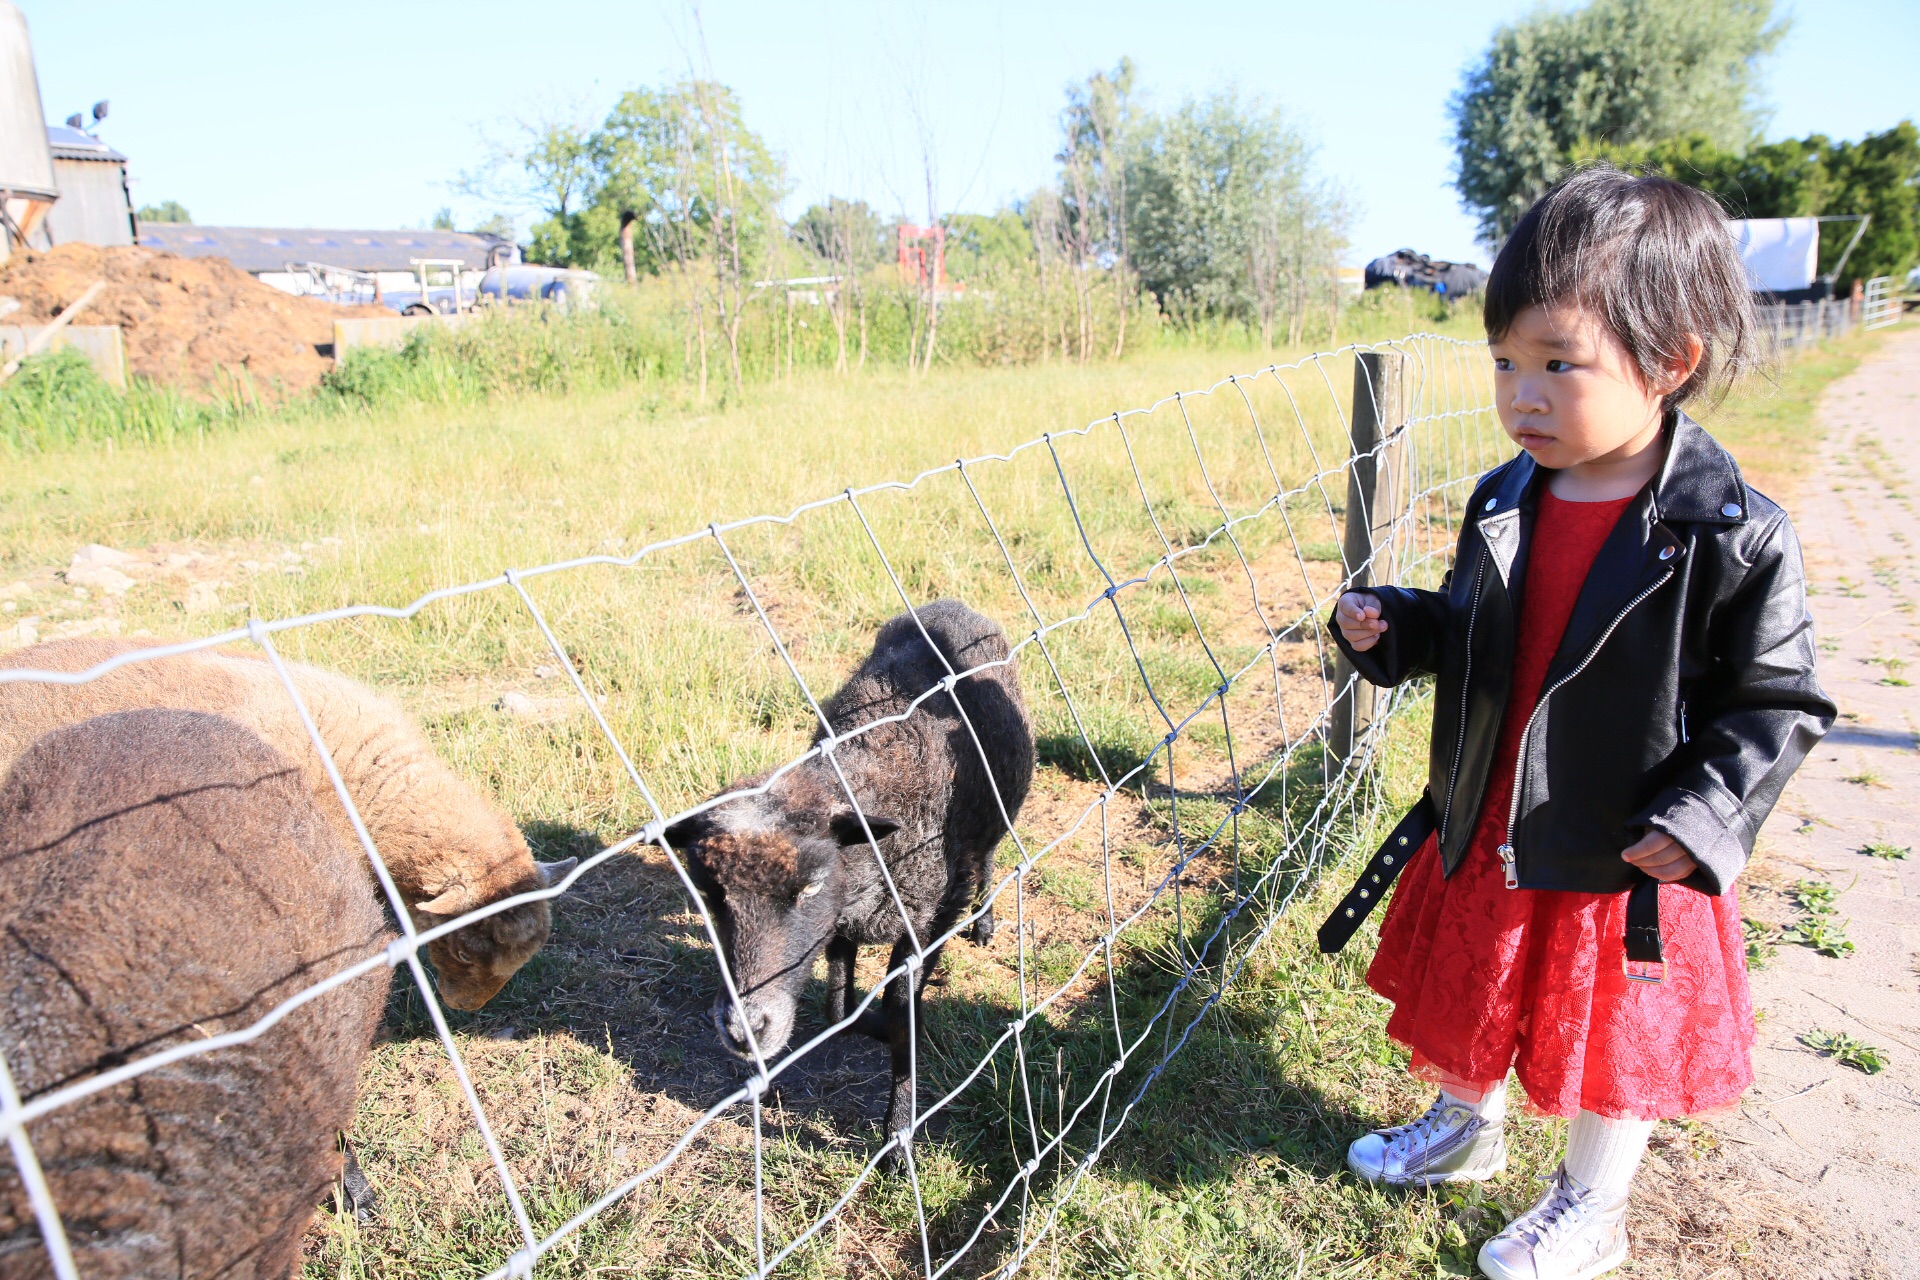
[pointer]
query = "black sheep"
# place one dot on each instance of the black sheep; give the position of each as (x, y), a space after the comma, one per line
(791, 872)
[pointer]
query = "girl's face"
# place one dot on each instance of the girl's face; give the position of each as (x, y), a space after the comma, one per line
(1569, 393)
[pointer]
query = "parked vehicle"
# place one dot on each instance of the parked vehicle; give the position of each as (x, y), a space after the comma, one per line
(562, 286)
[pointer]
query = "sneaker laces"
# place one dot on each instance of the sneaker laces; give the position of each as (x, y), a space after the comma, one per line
(1402, 1138)
(1564, 1210)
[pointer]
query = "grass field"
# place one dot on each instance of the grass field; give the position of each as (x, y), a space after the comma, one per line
(597, 1057)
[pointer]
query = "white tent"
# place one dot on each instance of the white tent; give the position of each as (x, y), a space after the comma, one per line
(1781, 254)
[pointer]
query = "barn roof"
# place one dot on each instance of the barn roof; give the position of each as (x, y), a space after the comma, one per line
(71, 144)
(272, 248)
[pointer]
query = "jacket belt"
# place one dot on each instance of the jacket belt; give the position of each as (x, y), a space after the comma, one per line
(1379, 874)
(1643, 900)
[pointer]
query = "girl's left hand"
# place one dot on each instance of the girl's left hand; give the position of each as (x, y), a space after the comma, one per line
(1662, 857)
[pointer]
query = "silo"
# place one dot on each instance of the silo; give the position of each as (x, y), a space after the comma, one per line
(27, 188)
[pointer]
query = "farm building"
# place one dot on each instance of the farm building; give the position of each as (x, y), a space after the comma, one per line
(94, 207)
(270, 250)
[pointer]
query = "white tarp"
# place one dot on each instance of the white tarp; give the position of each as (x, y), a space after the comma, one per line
(1780, 253)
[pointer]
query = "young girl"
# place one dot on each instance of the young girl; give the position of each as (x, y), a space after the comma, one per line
(1625, 674)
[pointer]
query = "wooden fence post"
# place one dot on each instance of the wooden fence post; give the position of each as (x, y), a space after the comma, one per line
(1378, 412)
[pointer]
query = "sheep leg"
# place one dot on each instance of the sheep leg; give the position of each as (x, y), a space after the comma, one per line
(843, 993)
(981, 932)
(901, 1018)
(356, 1193)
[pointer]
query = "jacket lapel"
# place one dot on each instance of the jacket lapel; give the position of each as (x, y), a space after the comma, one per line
(1499, 518)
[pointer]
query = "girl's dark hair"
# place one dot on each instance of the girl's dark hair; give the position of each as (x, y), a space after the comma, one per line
(1653, 259)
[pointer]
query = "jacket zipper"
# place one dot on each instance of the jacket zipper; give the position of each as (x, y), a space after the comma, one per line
(1466, 683)
(1507, 857)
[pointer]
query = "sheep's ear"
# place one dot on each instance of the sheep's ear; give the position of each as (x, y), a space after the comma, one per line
(847, 830)
(552, 873)
(450, 903)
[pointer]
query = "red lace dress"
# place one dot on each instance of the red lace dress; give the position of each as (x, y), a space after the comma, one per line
(1484, 978)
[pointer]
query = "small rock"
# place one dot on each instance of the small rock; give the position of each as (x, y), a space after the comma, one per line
(203, 597)
(503, 1033)
(14, 590)
(94, 566)
(515, 703)
(545, 673)
(20, 634)
(7, 606)
(95, 554)
(101, 578)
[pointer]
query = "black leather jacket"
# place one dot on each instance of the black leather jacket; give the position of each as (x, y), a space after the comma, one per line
(1682, 696)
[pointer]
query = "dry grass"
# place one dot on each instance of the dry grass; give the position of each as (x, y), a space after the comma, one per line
(599, 1055)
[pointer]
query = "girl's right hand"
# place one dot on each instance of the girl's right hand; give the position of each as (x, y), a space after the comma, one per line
(1359, 620)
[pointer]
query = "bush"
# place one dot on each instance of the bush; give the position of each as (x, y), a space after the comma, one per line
(57, 399)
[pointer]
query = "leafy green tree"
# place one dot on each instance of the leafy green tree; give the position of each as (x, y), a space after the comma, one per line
(1800, 177)
(165, 211)
(845, 234)
(1227, 219)
(981, 246)
(1098, 127)
(1617, 72)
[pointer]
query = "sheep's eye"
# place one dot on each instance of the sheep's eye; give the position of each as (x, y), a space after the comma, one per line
(810, 890)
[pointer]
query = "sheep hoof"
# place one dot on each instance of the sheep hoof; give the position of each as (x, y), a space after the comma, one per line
(893, 1162)
(981, 934)
(356, 1193)
(872, 1023)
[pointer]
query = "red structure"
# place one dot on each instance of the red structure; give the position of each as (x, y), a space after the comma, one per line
(922, 254)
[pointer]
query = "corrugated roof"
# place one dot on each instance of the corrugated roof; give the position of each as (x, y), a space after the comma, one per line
(259, 249)
(71, 144)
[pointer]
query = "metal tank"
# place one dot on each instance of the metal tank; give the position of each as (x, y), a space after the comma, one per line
(27, 186)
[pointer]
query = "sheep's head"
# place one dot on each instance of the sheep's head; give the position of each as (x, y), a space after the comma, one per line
(775, 887)
(475, 962)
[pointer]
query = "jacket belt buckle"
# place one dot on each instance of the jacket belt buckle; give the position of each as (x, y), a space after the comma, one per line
(1647, 971)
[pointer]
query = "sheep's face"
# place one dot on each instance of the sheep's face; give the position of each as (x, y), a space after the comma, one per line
(473, 963)
(775, 894)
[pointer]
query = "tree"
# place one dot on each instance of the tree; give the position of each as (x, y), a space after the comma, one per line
(1227, 217)
(165, 211)
(1618, 72)
(442, 219)
(547, 162)
(1801, 177)
(851, 239)
(1098, 125)
(679, 173)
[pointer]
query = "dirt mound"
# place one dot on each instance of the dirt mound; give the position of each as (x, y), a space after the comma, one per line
(197, 323)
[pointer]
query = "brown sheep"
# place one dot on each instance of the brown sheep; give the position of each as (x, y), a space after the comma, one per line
(166, 877)
(448, 849)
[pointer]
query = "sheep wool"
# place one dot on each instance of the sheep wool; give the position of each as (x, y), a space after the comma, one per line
(165, 877)
(449, 849)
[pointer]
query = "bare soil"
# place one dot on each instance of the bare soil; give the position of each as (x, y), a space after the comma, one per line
(199, 324)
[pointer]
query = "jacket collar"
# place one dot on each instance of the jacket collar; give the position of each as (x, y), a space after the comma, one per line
(1699, 483)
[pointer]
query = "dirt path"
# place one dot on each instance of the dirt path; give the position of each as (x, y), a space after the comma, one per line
(1826, 1136)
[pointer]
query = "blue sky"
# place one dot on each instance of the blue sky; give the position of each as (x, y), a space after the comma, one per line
(362, 114)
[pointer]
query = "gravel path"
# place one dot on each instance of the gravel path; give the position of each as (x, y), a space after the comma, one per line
(1831, 1138)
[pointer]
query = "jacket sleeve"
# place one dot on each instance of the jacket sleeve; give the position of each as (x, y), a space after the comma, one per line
(1761, 713)
(1411, 645)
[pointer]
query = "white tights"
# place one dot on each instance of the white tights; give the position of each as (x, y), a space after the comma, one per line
(1602, 1152)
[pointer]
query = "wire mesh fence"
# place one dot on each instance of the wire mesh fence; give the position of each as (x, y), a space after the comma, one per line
(1161, 574)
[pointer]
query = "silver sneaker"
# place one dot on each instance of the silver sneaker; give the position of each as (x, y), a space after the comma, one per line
(1447, 1144)
(1572, 1233)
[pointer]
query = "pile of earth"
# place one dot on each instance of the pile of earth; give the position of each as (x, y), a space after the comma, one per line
(197, 323)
